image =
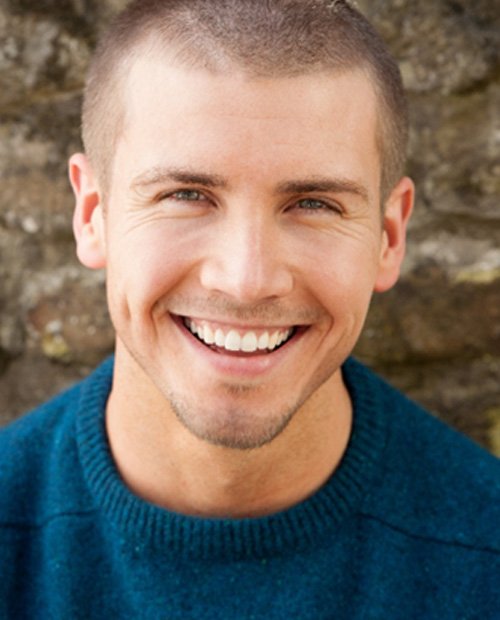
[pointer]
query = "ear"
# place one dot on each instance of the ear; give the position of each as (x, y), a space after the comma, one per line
(88, 218)
(397, 213)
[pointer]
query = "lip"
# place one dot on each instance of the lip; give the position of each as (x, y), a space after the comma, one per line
(225, 325)
(236, 364)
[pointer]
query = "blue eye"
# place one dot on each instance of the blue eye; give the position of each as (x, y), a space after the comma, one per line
(188, 195)
(312, 204)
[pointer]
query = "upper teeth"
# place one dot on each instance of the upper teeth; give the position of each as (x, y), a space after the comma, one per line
(232, 340)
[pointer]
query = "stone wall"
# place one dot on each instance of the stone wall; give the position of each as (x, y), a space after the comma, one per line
(436, 335)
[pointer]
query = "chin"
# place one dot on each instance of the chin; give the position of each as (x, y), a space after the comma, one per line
(234, 427)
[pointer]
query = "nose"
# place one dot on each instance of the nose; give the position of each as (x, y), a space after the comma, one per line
(247, 261)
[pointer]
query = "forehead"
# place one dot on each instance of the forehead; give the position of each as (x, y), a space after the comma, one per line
(198, 114)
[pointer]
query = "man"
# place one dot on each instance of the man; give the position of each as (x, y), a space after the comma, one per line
(242, 185)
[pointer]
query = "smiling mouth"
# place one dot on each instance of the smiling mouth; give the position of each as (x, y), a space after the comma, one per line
(230, 340)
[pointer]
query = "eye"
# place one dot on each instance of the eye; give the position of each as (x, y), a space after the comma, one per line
(184, 203)
(313, 204)
(189, 195)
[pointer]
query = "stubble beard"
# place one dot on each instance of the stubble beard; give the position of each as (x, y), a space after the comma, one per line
(236, 427)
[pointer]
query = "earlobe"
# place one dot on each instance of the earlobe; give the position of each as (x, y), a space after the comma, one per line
(88, 222)
(396, 216)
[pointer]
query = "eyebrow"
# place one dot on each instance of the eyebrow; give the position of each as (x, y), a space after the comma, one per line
(337, 186)
(158, 175)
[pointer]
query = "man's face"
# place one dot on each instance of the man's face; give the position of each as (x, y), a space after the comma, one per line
(246, 211)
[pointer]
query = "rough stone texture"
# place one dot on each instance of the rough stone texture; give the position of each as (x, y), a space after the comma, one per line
(436, 335)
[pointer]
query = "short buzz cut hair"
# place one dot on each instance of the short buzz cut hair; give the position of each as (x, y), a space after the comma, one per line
(265, 38)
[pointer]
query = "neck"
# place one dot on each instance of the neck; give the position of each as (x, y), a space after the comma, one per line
(165, 464)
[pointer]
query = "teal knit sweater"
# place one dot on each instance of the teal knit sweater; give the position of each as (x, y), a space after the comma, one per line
(407, 527)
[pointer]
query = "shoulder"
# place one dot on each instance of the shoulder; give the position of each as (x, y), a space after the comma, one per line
(40, 473)
(30, 451)
(27, 438)
(435, 483)
(43, 417)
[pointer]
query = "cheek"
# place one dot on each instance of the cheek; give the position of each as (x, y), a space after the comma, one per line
(343, 283)
(341, 266)
(145, 264)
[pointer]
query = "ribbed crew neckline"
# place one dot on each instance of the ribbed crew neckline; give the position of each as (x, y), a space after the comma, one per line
(210, 538)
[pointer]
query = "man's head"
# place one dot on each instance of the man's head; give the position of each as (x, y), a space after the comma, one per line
(242, 236)
(272, 38)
